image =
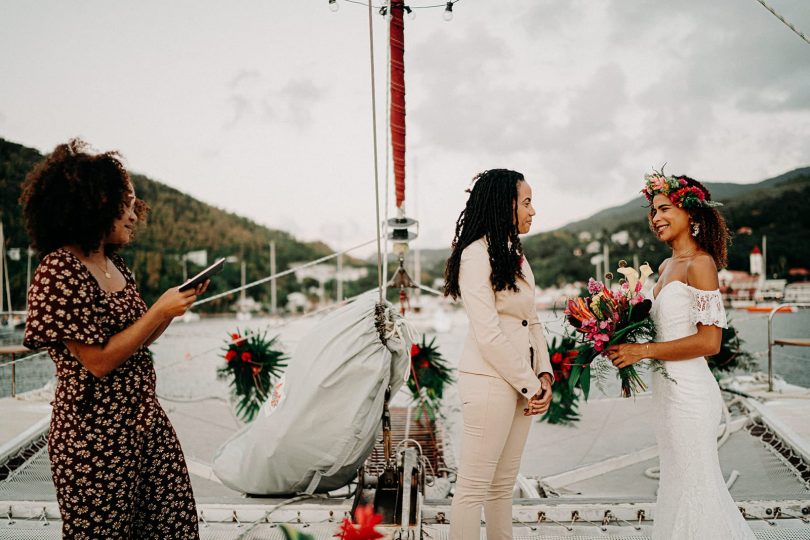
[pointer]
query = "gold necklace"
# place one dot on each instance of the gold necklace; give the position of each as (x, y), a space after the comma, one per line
(106, 268)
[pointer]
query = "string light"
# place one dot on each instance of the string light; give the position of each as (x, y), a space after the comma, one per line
(448, 12)
(384, 8)
(333, 5)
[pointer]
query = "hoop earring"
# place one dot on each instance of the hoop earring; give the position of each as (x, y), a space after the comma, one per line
(695, 229)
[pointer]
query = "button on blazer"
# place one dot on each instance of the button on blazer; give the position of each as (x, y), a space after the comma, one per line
(506, 337)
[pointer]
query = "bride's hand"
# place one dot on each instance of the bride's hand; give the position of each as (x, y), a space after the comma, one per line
(625, 354)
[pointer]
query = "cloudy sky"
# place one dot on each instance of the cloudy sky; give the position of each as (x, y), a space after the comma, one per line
(263, 107)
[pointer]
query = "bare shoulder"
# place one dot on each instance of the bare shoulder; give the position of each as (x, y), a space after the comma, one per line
(662, 266)
(702, 273)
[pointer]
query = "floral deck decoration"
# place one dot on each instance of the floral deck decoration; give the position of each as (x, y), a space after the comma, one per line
(565, 398)
(430, 374)
(253, 363)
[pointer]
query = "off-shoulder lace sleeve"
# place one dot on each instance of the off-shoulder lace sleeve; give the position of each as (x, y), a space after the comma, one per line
(707, 308)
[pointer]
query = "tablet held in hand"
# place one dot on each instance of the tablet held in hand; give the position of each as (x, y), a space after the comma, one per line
(205, 274)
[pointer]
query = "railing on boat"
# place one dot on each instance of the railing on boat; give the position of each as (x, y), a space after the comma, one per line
(783, 342)
(13, 351)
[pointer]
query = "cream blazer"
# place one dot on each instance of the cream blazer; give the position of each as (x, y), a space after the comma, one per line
(506, 337)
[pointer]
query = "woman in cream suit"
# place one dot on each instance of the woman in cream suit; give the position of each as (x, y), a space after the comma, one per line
(505, 374)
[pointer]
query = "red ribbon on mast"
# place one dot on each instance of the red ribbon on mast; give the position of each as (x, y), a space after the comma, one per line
(397, 45)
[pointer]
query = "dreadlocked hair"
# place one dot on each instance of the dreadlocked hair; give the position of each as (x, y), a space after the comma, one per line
(713, 235)
(491, 212)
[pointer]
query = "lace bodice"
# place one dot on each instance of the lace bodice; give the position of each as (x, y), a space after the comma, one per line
(678, 308)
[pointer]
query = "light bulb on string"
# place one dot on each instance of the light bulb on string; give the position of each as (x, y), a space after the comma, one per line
(448, 12)
(333, 5)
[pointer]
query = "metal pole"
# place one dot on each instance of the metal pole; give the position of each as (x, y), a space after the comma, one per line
(765, 256)
(770, 348)
(273, 287)
(338, 278)
(28, 277)
(13, 376)
(3, 270)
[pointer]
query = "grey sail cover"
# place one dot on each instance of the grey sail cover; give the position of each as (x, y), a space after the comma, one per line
(328, 416)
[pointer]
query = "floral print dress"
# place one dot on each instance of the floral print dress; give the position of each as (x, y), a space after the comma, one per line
(117, 465)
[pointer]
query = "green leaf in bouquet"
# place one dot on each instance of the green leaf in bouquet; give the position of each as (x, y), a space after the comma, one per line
(585, 381)
(576, 371)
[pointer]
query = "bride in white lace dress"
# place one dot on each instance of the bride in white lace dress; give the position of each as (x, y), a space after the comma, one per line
(693, 501)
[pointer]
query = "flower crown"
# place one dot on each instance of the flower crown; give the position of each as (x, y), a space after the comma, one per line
(676, 188)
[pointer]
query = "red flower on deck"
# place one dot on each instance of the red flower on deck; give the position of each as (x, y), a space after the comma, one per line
(363, 528)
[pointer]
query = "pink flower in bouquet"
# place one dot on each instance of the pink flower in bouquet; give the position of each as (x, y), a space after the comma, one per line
(257, 370)
(594, 286)
(637, 299)
(599, 341)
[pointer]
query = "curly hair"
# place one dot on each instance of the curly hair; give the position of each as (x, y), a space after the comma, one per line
(74, 197)
(713, 236)
(491, 212)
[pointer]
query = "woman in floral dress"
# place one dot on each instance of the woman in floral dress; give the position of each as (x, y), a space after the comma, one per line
(117, 465)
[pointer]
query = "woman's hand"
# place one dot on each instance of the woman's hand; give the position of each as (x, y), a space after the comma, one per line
(540, 402)
(174, 303)
(626, 354)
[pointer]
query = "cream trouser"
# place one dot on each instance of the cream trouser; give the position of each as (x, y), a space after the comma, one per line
(495, 432)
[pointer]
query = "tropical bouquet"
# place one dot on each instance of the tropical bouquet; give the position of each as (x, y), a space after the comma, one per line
(429, 376)
(564, 397)
(253, 364)
(608, 317)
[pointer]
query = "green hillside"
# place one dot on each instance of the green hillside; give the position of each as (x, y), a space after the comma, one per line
(177, 224)
(776, 208)
(611, 218)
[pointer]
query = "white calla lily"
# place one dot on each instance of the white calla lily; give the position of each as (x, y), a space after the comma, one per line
(631, 275)
(646, 272)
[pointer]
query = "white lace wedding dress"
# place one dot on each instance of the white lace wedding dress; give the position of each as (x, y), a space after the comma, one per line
(693, 501)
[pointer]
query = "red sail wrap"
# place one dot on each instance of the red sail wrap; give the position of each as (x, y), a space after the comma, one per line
(397, 44)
